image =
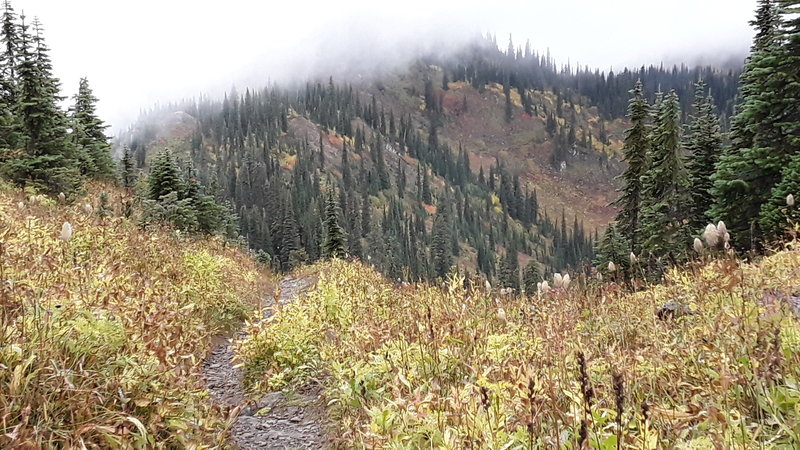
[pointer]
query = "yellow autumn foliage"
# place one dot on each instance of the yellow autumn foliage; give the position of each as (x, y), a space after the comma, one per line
(455, 366)
(101, 334)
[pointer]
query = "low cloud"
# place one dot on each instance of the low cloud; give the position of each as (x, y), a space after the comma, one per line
(138, 53)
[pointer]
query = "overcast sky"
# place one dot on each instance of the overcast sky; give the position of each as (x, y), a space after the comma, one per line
(136, 53)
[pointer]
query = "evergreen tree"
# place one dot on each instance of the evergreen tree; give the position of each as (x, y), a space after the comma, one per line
(165, 177)
(635, 149)
(9, 39)
(705, 147)
(778, 216)
(613, 249)
(128, 168)
(752, 165)
(666, 185)
(531, 276)
(334, 245)
(89, 134)
(49, 161)
(509, 270)
(441, 249)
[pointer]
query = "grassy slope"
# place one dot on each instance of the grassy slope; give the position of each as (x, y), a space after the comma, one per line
(422, 367)
(101, 336)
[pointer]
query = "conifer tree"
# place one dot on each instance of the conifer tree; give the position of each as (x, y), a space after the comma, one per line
(441, 249)
(9, 39)
(509, 270)
(347, 177)
(613, 249)
(531, 276)
(165, 177)
(128, 168)
(49, 161)
(334, 245)
(666, 186)
(635, 149)
(705, 146)
(752, 165)
(89, 134)
(778, 216)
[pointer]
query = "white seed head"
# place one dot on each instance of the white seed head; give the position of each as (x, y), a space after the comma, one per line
(790, 200)
(721, 228)
(501, 314)
(544, 287)
(633, 258)
(487, 285)
(711, 235)
(21, 205)
(612, 267)
(558, 280)
(87, 208)
(698, 245)
(565, 281)
(61, 197)
(66, 232)
(727, 238)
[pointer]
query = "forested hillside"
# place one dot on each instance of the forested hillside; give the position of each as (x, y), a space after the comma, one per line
(493, 162)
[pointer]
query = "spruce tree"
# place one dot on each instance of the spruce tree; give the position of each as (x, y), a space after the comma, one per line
(128, 168)
(89, 134)
(509, 270)
(635, 149)
(666, 187)
(441, 249)
(613, 249)
(165, 177)
(334, 245)
(49, 161)
(778, 216)
(752, 165)
(9, 39)
(705, 146)
(531, 276)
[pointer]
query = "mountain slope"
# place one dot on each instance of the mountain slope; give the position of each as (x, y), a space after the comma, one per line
(458, 366)
(104, 324)
(454, 167)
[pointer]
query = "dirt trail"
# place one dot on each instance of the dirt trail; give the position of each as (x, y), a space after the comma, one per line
(277, 420)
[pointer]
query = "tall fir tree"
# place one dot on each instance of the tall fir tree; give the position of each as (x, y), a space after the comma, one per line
(127, 168)
(508, 275)
(49, 162)
(778, 216)
(9, 39)
(704, 144)
(334, 244)
(89, 134)
(441, 248)
(666, 187)
(531, 276)
(635, 149)
(752, 165)
(774, 212)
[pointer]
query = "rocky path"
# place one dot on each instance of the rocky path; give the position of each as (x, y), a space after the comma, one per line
(277, 420)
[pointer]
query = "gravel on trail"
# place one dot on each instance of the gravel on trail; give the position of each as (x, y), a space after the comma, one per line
(278, 420)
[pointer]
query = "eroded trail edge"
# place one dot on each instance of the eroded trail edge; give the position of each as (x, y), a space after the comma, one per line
(277, 420)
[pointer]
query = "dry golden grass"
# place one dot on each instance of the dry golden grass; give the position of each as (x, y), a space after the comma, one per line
(457, 367)
(101, 335)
